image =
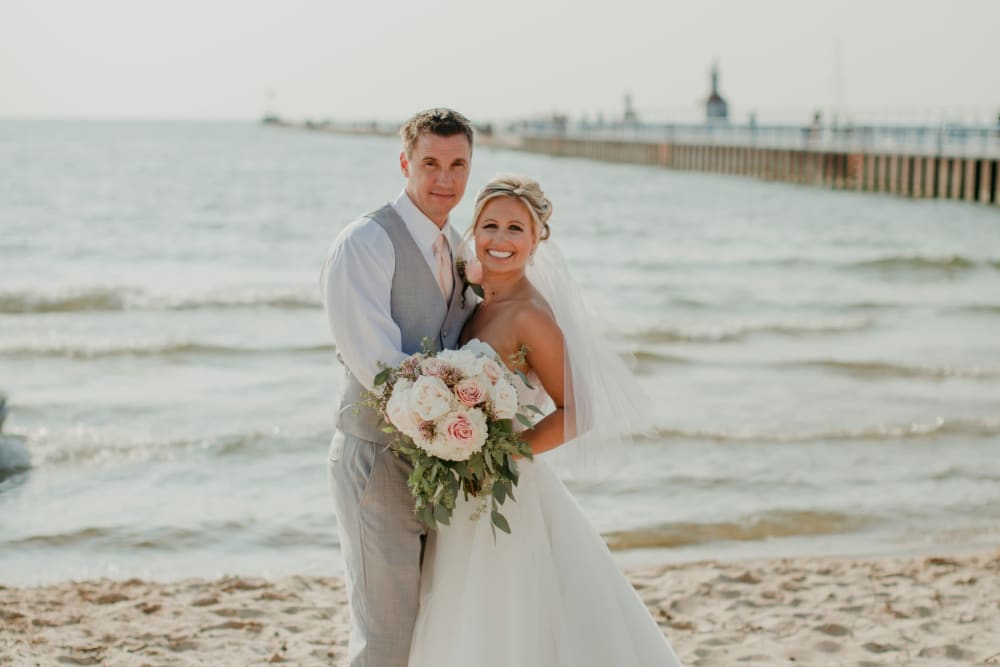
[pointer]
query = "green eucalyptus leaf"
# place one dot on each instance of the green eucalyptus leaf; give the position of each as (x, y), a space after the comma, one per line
(442, 514)
(524, 420)
(524, 379)
(499, 492)
(427, 517)
(382, 376)
(500, 522)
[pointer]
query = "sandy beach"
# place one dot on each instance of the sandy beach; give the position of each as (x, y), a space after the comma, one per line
(911, 611)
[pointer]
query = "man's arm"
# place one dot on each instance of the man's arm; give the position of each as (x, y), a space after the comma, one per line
(356, 284)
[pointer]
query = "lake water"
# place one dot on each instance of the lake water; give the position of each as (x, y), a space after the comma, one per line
(825, 365)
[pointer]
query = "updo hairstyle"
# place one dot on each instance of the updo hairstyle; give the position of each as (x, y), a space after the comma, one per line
(527, 191)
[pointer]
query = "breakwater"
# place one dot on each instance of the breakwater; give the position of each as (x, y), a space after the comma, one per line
(968, 177)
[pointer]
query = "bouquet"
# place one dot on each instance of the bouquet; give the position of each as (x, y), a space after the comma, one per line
(453, 413)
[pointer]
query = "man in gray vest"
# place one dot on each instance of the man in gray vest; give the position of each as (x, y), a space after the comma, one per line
(390, 282)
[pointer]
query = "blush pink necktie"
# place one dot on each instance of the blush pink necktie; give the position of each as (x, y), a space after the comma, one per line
(442, 253)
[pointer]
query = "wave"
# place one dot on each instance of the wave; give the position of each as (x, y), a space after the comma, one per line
(151, 349)
(980, 308)
(100, 299)
(84, 300)
(737, 332)
(133, 537)
(177, 538)
(879, 369)
(778, 523)
(774, 524)
(82, 445)
(958, 472)
(643, 356)
(976, 428)
(278, 301)
(916, 263)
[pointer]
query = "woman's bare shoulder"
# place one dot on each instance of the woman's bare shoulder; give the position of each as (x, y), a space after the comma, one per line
(534, 320)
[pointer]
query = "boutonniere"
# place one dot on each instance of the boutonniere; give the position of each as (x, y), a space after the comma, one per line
(471, 274)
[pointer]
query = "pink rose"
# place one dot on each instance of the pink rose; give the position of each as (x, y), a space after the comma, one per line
(474, 272)
(460, 429)
(464, 433)
(433, 366)
(470, 392)
(491, 370)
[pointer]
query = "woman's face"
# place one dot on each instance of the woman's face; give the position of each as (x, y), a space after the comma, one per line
(504, 236)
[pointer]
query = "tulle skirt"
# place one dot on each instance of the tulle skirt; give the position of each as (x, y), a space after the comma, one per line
(548, 595)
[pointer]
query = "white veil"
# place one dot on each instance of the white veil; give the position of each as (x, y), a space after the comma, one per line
(604, 403)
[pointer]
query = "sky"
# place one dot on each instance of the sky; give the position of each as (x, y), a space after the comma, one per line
(379, 59)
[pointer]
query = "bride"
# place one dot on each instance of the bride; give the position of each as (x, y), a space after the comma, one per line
(549, 594)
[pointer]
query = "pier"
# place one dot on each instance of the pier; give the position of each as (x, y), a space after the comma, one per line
(921, 162)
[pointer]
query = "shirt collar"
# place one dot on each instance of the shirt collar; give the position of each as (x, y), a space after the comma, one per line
(421, 228)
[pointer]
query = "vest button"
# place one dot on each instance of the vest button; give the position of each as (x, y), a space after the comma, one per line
(444, 333)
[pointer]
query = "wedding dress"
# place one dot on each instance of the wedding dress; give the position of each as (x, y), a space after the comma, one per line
(549, 594)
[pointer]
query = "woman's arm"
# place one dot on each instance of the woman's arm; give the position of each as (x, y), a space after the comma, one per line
(538, 332)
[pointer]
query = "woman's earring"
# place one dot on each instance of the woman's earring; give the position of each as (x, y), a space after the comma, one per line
(531, 259)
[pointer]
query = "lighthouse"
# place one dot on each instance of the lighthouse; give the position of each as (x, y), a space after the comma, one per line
(716, 108)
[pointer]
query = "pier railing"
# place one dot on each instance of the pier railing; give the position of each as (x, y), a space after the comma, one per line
(949, 141)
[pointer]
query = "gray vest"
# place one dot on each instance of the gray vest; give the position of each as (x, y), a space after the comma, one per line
(420, 311)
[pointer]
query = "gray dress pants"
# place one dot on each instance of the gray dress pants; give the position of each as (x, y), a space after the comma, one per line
(382, 541)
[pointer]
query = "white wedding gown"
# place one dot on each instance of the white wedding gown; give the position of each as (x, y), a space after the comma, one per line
(547, 595)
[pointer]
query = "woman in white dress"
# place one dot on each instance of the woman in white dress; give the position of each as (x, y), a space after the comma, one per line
(549, 594)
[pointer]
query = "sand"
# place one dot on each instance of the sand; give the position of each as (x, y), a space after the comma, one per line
(891, 611)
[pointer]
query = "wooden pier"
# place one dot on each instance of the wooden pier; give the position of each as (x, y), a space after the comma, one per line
(966, 178)
(916, 162)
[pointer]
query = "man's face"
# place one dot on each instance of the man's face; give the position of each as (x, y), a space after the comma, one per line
(437, 171)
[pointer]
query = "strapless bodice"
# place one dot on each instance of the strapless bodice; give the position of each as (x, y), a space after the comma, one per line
(527, 395)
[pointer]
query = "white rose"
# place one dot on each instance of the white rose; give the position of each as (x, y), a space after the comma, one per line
(433, 366)
(463, 360)
(504, 399)
(398, 409)
(458, 436)
(491, 369)
(479, 348)
(430, 398)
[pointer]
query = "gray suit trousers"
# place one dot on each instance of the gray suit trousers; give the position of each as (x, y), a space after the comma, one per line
(382, 542)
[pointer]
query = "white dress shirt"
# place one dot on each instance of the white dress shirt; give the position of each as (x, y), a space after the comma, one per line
(356, 283)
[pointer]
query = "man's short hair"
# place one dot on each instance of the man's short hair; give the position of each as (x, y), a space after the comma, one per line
(442, 122)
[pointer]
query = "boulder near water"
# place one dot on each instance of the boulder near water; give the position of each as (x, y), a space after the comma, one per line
(14, 455)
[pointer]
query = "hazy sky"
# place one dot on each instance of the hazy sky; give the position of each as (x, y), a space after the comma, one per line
(495, 60)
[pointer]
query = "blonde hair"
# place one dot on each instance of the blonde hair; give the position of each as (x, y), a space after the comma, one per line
(523, 189)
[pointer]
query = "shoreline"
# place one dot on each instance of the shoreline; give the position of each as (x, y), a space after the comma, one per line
(917, 610)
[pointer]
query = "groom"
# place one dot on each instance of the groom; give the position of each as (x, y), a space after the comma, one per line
(389, 282)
